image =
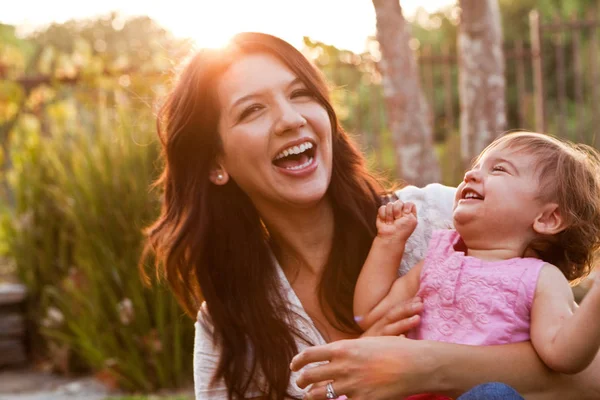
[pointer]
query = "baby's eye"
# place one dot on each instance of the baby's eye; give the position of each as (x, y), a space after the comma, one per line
(498, 168)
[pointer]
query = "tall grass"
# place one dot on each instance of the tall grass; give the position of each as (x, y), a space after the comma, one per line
(81, 199)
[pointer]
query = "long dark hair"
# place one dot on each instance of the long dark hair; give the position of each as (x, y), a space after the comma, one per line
(210, 243)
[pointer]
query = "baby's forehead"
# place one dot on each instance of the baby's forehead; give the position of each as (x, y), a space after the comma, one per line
(506, 151)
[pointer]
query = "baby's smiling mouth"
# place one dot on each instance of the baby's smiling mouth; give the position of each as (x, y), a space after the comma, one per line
(470, 194)
(296, 157)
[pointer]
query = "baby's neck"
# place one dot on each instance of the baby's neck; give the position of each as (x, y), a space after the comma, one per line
(492, 250)
(494, 254)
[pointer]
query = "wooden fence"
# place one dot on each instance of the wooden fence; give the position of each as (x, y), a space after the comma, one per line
(552, 80)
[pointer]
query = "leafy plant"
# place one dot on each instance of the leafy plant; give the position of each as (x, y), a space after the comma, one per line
(81, 201)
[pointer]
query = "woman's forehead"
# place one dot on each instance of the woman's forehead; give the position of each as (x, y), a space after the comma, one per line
(253, 74)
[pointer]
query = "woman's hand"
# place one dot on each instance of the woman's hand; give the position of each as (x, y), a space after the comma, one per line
(367, 368)
(398, 320)
(391, 367)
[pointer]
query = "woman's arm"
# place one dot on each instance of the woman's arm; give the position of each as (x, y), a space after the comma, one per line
(392, 367)
(517, 365)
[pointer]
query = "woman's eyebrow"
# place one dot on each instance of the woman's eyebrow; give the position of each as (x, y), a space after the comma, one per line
(295, 82)
(243, 99)
(247, 97)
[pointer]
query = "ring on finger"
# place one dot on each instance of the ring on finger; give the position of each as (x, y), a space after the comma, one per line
(330, 392)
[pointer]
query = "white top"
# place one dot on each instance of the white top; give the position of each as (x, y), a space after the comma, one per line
(434, 211)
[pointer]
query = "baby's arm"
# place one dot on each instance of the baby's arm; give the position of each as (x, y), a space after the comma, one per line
(403, 289)
(395, 223)
(565, 337)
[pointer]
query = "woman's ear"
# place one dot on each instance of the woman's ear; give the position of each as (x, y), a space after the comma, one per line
(218, 176)
(550, 221)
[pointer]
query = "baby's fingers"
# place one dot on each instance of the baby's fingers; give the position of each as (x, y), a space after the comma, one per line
(410, 208)
(381, 213)
(398, 207)
(389, 213)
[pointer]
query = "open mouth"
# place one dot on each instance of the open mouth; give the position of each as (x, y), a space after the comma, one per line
(470, 194)
(296, 157)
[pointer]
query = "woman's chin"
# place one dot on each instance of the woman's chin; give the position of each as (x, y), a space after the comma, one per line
(308, 200)
(303, 192)
(305, 196)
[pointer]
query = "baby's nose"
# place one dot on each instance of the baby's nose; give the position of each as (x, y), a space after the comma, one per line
(472, 175)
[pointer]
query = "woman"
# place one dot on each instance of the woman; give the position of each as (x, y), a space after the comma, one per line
(268, 215)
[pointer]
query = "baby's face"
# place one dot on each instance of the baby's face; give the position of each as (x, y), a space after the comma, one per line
(499, 195)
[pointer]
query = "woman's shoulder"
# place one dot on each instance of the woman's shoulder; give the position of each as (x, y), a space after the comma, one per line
(203, 317)
(204, 330)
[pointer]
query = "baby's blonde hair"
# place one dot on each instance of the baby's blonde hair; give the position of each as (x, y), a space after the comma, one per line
(568, 174)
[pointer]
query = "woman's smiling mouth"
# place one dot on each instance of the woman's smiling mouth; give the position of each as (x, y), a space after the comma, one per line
(298, 156)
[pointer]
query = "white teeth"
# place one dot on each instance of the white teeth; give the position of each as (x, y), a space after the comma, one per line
(472, 195)
(306, 164)
(294, 150)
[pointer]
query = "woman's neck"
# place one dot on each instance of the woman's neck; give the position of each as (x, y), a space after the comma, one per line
(302, 237)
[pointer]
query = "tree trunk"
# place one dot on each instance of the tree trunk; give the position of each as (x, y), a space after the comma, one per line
(481, 76)
(407, 110)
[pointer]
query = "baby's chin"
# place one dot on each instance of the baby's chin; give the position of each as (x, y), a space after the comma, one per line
(460, 217)
(464, 221)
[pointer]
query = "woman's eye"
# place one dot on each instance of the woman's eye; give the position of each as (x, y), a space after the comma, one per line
(301, 93)
(248, 111)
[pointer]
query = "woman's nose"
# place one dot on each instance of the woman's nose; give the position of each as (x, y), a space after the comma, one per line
(289, 119)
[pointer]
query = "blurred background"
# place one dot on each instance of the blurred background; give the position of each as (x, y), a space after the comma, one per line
(79, 86)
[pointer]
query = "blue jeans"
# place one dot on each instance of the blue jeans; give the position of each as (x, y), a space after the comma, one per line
(491, 391)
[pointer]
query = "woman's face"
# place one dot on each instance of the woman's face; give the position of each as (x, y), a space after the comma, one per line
(276, 136)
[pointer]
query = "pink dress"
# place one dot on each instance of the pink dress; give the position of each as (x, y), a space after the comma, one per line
(472, 301)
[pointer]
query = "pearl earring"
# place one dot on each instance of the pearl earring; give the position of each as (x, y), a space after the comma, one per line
(220, 177)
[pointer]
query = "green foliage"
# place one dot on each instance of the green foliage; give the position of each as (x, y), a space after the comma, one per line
(357, 96)
(81, 202)
(79, 164)
(14, 51)
(108, 44)
(449, 155)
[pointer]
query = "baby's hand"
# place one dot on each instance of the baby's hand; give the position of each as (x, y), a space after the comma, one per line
(396, 220)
